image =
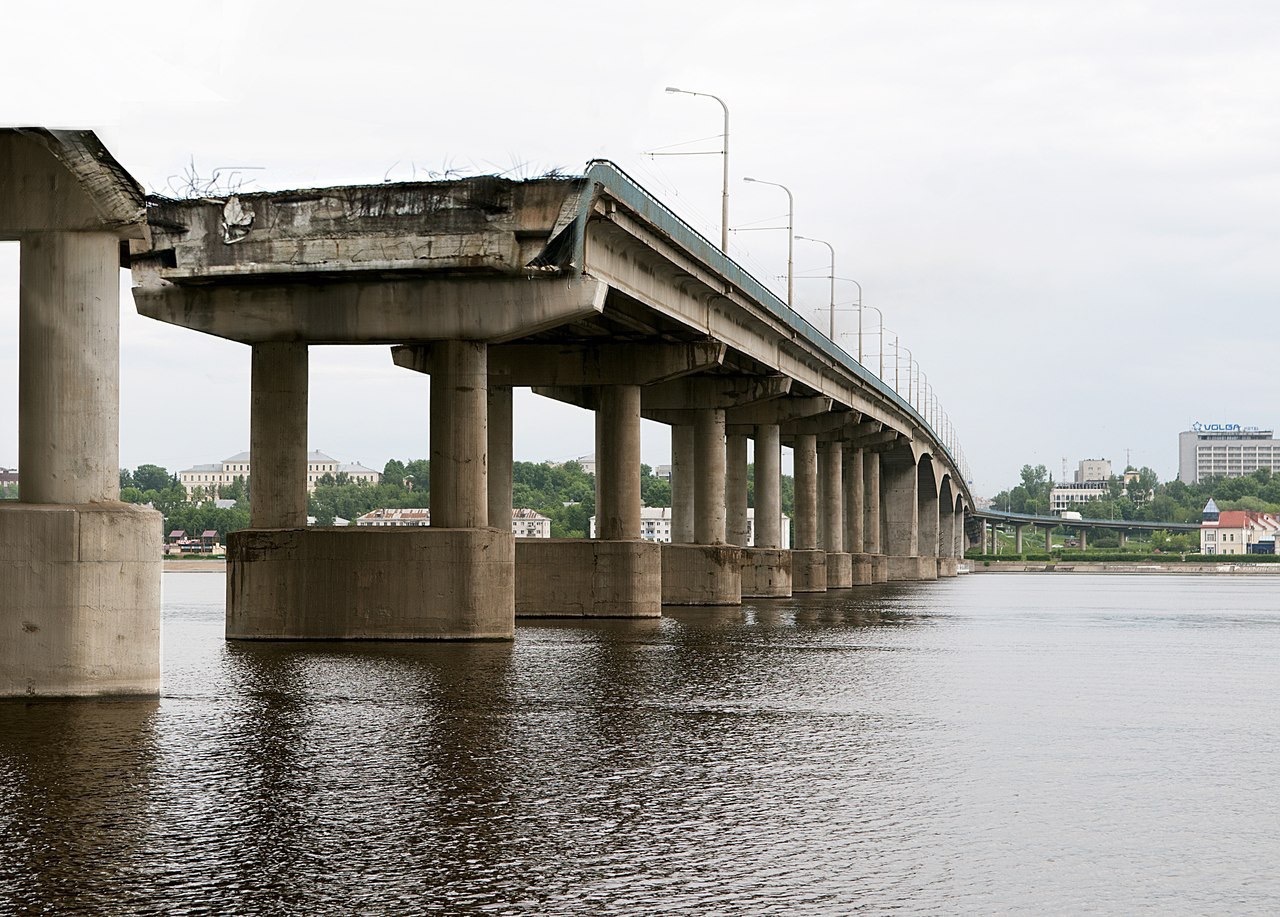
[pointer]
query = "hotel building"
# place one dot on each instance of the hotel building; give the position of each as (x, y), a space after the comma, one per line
(1225, 450)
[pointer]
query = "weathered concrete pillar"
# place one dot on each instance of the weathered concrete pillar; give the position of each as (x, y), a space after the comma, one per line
(79, 571)
(962, 539)
(899, 485)
(708, 572)
(1017, 538)
(500, 456)
(928, 521)
(861, 563)
(808, 561)
(69, 367)
(768, 487)
(1048, 539)
(946, 540)
(278, 436)
(873, 517)
(735, 489)
(986, 539)
(1124, 538)
(709, 470)
(1084, 540)
(460, 435)
(618, 463)
(616, 574)
(831, 472)
(682, 465)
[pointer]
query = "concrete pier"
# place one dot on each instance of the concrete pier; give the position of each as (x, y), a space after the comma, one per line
(766, 567)
(901, 516)
(808, 560)
(873, 518)
(79, 571)
(831, 473)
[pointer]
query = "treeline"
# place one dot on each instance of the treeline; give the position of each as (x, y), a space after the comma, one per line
(1144, 498)
(564, 493)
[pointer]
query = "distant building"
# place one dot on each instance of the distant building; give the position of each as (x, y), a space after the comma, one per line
(663, 471)
(236, 468)
(1225, 450)
(655, 525)
(525, 523)
(8, 475)
(1065, 496)
(1093, 470)
(1237, 531)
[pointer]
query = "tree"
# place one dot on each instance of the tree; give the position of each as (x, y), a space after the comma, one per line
(393, 472)
(153, 477)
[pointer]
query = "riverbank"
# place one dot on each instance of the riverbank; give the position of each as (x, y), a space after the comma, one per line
(1040, 566)
(193, 565)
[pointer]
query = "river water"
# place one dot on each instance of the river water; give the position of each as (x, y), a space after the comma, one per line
(1027, 744)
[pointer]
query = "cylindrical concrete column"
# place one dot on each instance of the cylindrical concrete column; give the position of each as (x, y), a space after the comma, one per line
(69, 367)
(278, 436)
(1017, 538)
(768, 484)
(682, 483)
(831, 461)
(500, 448)
(1048, 539)
(459, 435)
(618, 463)
(735, 489)
(986, 539)
(900, 484)
(872, 525)
(1084, 540)
(708, 491)
(806, 483)
(854, 491)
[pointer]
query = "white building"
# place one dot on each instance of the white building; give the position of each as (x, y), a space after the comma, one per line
(655, 525)
(1225, 450)
(525, 523)
(236, 468)
(1065, 496)
(1237, 531)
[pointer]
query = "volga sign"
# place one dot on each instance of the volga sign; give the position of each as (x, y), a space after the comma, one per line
(1215, 427)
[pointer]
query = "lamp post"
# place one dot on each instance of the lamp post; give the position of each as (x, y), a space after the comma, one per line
(831, 326)
(880, 332)
(724, 152)
(791, 238)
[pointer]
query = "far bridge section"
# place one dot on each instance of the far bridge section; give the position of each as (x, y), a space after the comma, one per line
(987, 521)
(585, 289)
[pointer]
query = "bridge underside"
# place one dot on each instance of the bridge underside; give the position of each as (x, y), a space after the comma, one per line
(586, 291)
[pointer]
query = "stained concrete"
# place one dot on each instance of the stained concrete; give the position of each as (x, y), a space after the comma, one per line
(808, 570)
(839, 570)
(862, 569)
(766, 572)
(701, 574)
(81, 600)
(579, 578)
(346, 583)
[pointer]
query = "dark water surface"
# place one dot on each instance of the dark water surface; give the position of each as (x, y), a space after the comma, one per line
(1036, 744)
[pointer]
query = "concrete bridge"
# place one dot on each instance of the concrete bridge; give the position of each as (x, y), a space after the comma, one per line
(991, 519)
(585, 289)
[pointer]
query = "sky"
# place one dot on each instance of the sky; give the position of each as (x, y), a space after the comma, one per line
(1066, 211)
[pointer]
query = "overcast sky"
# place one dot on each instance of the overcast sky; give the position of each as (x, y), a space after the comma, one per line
(1067, 210)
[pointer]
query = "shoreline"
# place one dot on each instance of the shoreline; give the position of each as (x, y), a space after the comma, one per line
(189, 565)
(1148, 568)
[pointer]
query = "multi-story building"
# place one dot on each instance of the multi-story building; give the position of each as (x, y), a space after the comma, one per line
(236, 468)
(525, 523)
(1065, 496)
(1225, 450)
(8, 475)
(1090, 470)
(1237, 531)
(655, 525)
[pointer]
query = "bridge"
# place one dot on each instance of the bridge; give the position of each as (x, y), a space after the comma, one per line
(990, 519)
(586, 289)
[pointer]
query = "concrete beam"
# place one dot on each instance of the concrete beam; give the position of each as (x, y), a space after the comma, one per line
(777, 411)
(712, 392)
(822, 424)
(581, 364)
(373, 311)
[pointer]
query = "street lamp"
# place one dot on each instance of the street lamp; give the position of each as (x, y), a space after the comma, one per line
(724, 152)
(879, 331)
(791, 239)
(831, 332)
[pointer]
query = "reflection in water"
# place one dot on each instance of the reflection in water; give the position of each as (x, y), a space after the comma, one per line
(74, 787)
(989, 744)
